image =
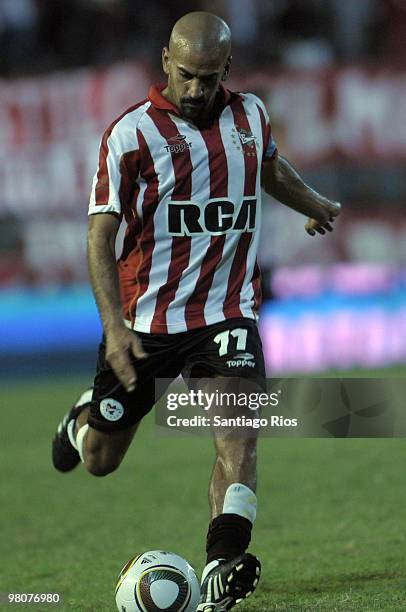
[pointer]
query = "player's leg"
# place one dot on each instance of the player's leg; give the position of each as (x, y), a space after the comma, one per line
(236, 461)
(230, 571)
(99, 429)
(231, 349)
(232, 497)
(76, 440)
(101, 452)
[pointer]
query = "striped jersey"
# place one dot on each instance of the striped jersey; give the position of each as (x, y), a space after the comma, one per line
(191, 198)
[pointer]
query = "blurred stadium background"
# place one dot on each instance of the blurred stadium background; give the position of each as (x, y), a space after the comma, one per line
(333, 75)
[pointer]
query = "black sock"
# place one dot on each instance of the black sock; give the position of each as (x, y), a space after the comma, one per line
(229, 536)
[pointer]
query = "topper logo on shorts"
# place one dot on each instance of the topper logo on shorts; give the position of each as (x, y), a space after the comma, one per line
(216, 216)
(111, 409)
(242, 360)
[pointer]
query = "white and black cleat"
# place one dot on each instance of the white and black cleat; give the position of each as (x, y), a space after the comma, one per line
(228, 583)
(65, 457)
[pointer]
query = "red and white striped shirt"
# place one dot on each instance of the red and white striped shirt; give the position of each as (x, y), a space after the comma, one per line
(192, 202)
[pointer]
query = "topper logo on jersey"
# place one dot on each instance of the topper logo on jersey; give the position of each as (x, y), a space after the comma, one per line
(177, 144)
(217, 216)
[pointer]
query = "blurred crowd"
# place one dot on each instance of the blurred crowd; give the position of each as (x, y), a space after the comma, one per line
(356, 135)
(42, 35)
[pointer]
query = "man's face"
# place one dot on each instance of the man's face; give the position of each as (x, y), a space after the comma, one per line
(193, 81)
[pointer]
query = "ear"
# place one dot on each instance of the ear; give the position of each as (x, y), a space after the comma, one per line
(226, 71)
(165, 60)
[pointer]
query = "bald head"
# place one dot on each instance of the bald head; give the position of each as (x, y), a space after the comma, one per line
(202, 33)
(197, 59)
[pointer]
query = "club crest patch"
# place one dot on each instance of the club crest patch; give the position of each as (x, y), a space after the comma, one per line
(244, 140)
(111, 409)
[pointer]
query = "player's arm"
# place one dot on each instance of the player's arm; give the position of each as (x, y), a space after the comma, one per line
(120, 341)
(282, 182)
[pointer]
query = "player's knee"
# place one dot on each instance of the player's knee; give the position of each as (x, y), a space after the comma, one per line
(101, 465)
(232, 443)
(236, 449)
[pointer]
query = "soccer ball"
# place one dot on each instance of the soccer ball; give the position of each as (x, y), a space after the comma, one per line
(157, 580)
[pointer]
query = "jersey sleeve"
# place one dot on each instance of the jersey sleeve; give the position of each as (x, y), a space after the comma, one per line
(111, 186)
(269, 144)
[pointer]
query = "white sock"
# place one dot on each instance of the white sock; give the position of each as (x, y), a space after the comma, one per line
(80, 439)
(240, 499)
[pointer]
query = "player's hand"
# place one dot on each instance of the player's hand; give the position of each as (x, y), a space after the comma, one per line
(121, 345)
(332, 210)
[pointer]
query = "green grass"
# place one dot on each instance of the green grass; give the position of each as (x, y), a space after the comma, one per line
(330, 530)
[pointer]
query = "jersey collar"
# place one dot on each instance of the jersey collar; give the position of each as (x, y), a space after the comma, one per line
(223, 99)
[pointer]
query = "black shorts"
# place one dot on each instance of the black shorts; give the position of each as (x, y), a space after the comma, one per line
(230, 348)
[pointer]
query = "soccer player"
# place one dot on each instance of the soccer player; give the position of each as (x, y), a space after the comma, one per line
(184, 167)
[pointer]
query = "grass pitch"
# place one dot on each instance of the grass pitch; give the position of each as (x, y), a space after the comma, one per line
(330, 530)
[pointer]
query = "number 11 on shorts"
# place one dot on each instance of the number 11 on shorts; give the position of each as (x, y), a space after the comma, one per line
(224, 337)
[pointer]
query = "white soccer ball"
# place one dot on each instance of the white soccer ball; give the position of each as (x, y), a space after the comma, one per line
(157, 580)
